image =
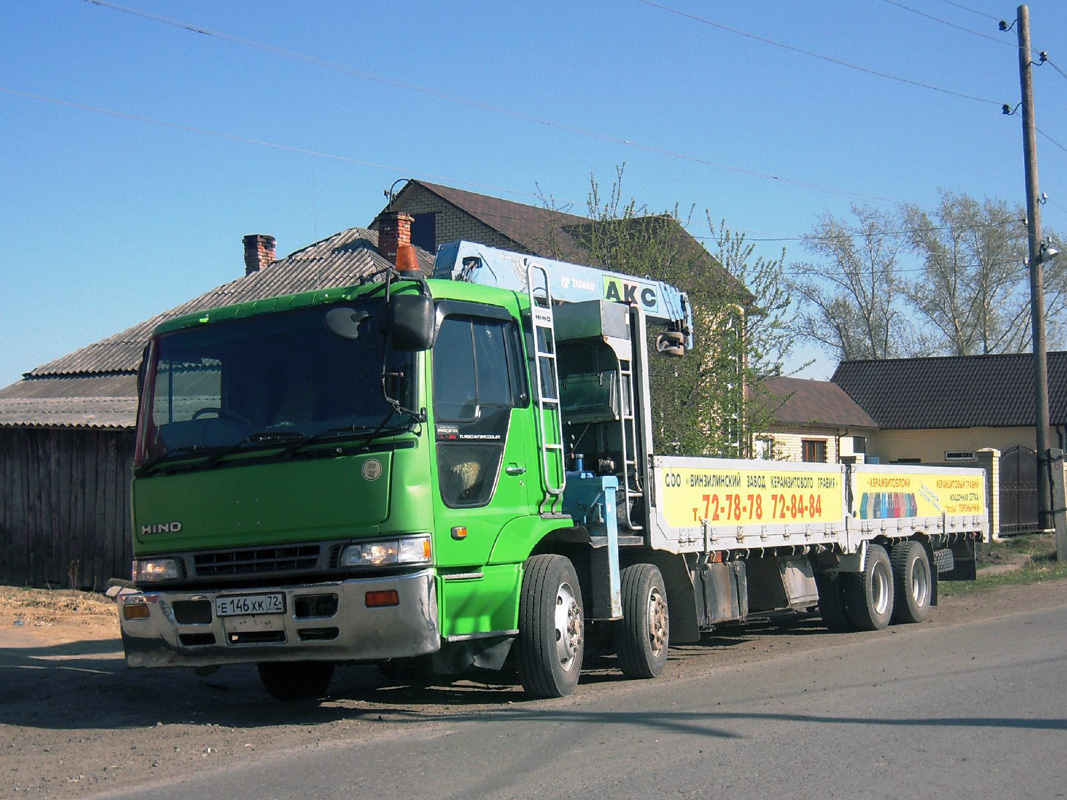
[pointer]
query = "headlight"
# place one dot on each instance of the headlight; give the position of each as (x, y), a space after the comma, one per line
(412, 550)
(156, 569)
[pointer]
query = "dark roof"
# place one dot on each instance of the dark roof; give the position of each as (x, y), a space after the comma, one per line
(954, 392)
(539, 231)
(96, 385)
(809, 402)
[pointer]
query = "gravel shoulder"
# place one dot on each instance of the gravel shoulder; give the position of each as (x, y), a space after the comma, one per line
(76, 722)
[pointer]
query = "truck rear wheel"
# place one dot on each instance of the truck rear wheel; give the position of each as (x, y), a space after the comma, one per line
(551, 641)
(869, 594)
(296, 680)
(642, 636)
(911, 581)
(832, 602)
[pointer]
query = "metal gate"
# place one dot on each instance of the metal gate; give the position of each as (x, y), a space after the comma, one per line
(1018, 491)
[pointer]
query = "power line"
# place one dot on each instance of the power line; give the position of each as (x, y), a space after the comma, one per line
(973, 11)
(1049, 138)
(812, 54)
(291, 54)
(997, 39)
(247, 140)
(1049, 62)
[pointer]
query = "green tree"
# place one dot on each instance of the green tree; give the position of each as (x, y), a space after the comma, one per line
(702, 402)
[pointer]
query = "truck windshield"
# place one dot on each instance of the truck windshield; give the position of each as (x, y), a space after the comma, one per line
(270, 380)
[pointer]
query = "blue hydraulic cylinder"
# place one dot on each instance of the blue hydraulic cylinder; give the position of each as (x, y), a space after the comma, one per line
(590, 501)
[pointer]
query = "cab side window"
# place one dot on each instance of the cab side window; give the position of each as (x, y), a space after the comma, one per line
(475, 385)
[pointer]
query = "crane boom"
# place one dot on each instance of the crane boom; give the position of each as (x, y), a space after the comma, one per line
(471, 262)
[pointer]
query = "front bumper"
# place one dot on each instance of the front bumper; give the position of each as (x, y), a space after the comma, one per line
(182, 629)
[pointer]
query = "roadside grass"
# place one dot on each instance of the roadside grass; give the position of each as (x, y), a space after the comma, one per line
(1015, 560)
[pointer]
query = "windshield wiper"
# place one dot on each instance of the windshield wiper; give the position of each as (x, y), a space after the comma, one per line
(260, 438)
(211, 455)
(369, 434)
(194, 450)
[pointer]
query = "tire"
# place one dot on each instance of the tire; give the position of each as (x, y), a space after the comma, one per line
(832, 602)
(642, 636)
(912, 581)
(869, 594)
(296, 680)
(551, 642)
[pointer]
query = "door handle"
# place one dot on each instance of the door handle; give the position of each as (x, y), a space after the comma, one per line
(514, 469)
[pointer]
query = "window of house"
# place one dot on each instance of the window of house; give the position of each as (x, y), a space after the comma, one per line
(763, 448)
(424, 231)
(959, 455)
(813, 450)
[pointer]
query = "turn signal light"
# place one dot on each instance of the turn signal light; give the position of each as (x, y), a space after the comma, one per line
(382, 599)
(136, 611)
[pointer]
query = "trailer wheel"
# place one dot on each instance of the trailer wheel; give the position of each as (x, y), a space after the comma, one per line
(869, 594)
(642, 635)
(911, 581)
(551, 641)
(296, 680)
(832, 602)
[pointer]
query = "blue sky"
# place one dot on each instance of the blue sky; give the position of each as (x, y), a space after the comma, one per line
(109, 218)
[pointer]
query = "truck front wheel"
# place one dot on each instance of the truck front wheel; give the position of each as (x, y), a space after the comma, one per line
(642, 635)
(296, 680)
(551, 642)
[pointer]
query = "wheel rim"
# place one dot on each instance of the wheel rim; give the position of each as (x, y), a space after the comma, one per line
(568, 623)
(920, 583)
(880, 588)
(657, 622)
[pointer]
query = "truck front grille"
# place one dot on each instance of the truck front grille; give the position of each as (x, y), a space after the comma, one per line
(256, 561)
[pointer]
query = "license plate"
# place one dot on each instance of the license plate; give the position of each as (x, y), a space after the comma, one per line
(241, 604)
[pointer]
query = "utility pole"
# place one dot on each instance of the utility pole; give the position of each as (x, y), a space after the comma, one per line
(1037, 279)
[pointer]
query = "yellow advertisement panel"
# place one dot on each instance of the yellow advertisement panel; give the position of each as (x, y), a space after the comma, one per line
(882, 495)
(749, 496)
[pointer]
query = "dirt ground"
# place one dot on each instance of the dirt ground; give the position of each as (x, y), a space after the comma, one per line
(75, 722)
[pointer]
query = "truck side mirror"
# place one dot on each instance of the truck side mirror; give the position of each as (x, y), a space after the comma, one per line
(411, 322)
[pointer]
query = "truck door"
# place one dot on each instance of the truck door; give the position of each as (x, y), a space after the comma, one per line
(481, 429)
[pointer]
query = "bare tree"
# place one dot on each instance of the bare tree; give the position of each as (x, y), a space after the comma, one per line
(973, 289)
(851, 302)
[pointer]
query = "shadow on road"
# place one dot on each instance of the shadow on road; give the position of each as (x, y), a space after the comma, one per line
(86, 685)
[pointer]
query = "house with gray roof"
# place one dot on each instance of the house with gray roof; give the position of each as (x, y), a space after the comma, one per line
(937, 410)
(955, 410)
(813, 421)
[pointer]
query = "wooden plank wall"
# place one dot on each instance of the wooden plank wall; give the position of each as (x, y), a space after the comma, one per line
(64, 507)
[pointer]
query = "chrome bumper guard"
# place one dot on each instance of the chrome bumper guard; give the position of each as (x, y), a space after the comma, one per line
(320, 621)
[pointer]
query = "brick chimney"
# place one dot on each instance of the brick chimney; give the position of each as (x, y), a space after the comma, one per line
(259, 252)
(394, 229)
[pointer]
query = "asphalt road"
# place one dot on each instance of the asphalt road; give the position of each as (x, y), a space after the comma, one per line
(971, 710)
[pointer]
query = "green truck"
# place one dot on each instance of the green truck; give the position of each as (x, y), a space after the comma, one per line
(455, 472)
